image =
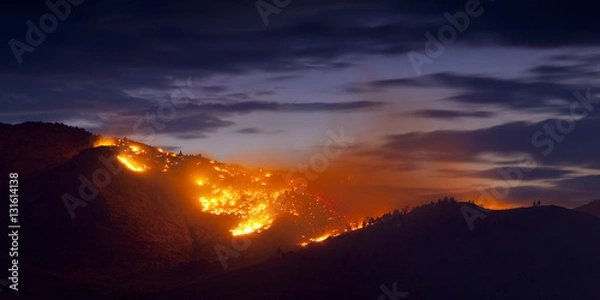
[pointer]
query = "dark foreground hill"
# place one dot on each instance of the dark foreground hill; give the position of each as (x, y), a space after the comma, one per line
(531, 253)
(546, 252)
(592, 208)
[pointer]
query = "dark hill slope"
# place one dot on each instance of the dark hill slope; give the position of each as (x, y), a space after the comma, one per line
(33, 147)
(133, 221)
(533, 253)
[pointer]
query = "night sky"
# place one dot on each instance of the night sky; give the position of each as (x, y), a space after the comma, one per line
(437, 97)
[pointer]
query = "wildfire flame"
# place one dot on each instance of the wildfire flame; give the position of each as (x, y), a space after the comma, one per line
(131, 165)
(319, 239)
(250, 197)
(255, 198)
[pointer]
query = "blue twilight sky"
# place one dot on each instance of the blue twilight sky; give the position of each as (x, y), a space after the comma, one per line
(491, 93)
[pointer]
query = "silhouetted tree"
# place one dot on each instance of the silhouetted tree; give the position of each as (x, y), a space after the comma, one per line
(405, 210)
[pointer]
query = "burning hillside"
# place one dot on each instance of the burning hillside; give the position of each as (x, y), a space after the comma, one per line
(254, 198)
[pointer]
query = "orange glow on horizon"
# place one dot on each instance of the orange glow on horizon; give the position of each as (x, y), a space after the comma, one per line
(105, 141)
(495, 205)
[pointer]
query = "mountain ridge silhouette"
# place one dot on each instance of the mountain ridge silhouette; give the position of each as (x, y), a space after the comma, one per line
(139, 237)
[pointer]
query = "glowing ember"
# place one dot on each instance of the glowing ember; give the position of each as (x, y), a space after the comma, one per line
(251, 226)
(130, 165)
(321, 238)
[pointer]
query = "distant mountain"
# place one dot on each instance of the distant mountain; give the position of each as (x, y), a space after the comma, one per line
(592, 208)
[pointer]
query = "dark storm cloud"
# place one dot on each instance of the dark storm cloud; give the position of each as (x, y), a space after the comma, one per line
(485, 90)
(228, 36)
(255, 130)
(589, 183)
(249, 130)
(252, 106)
(238, 96)
(539, 173)
(219, 36)
(195, 124)
(103, 48)
(577, 148)
(565, 67)
(556, 70)
(265, 93)
(451, 114)
(198, 120)
(183, 124)
(74, 98)
(533, 174)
